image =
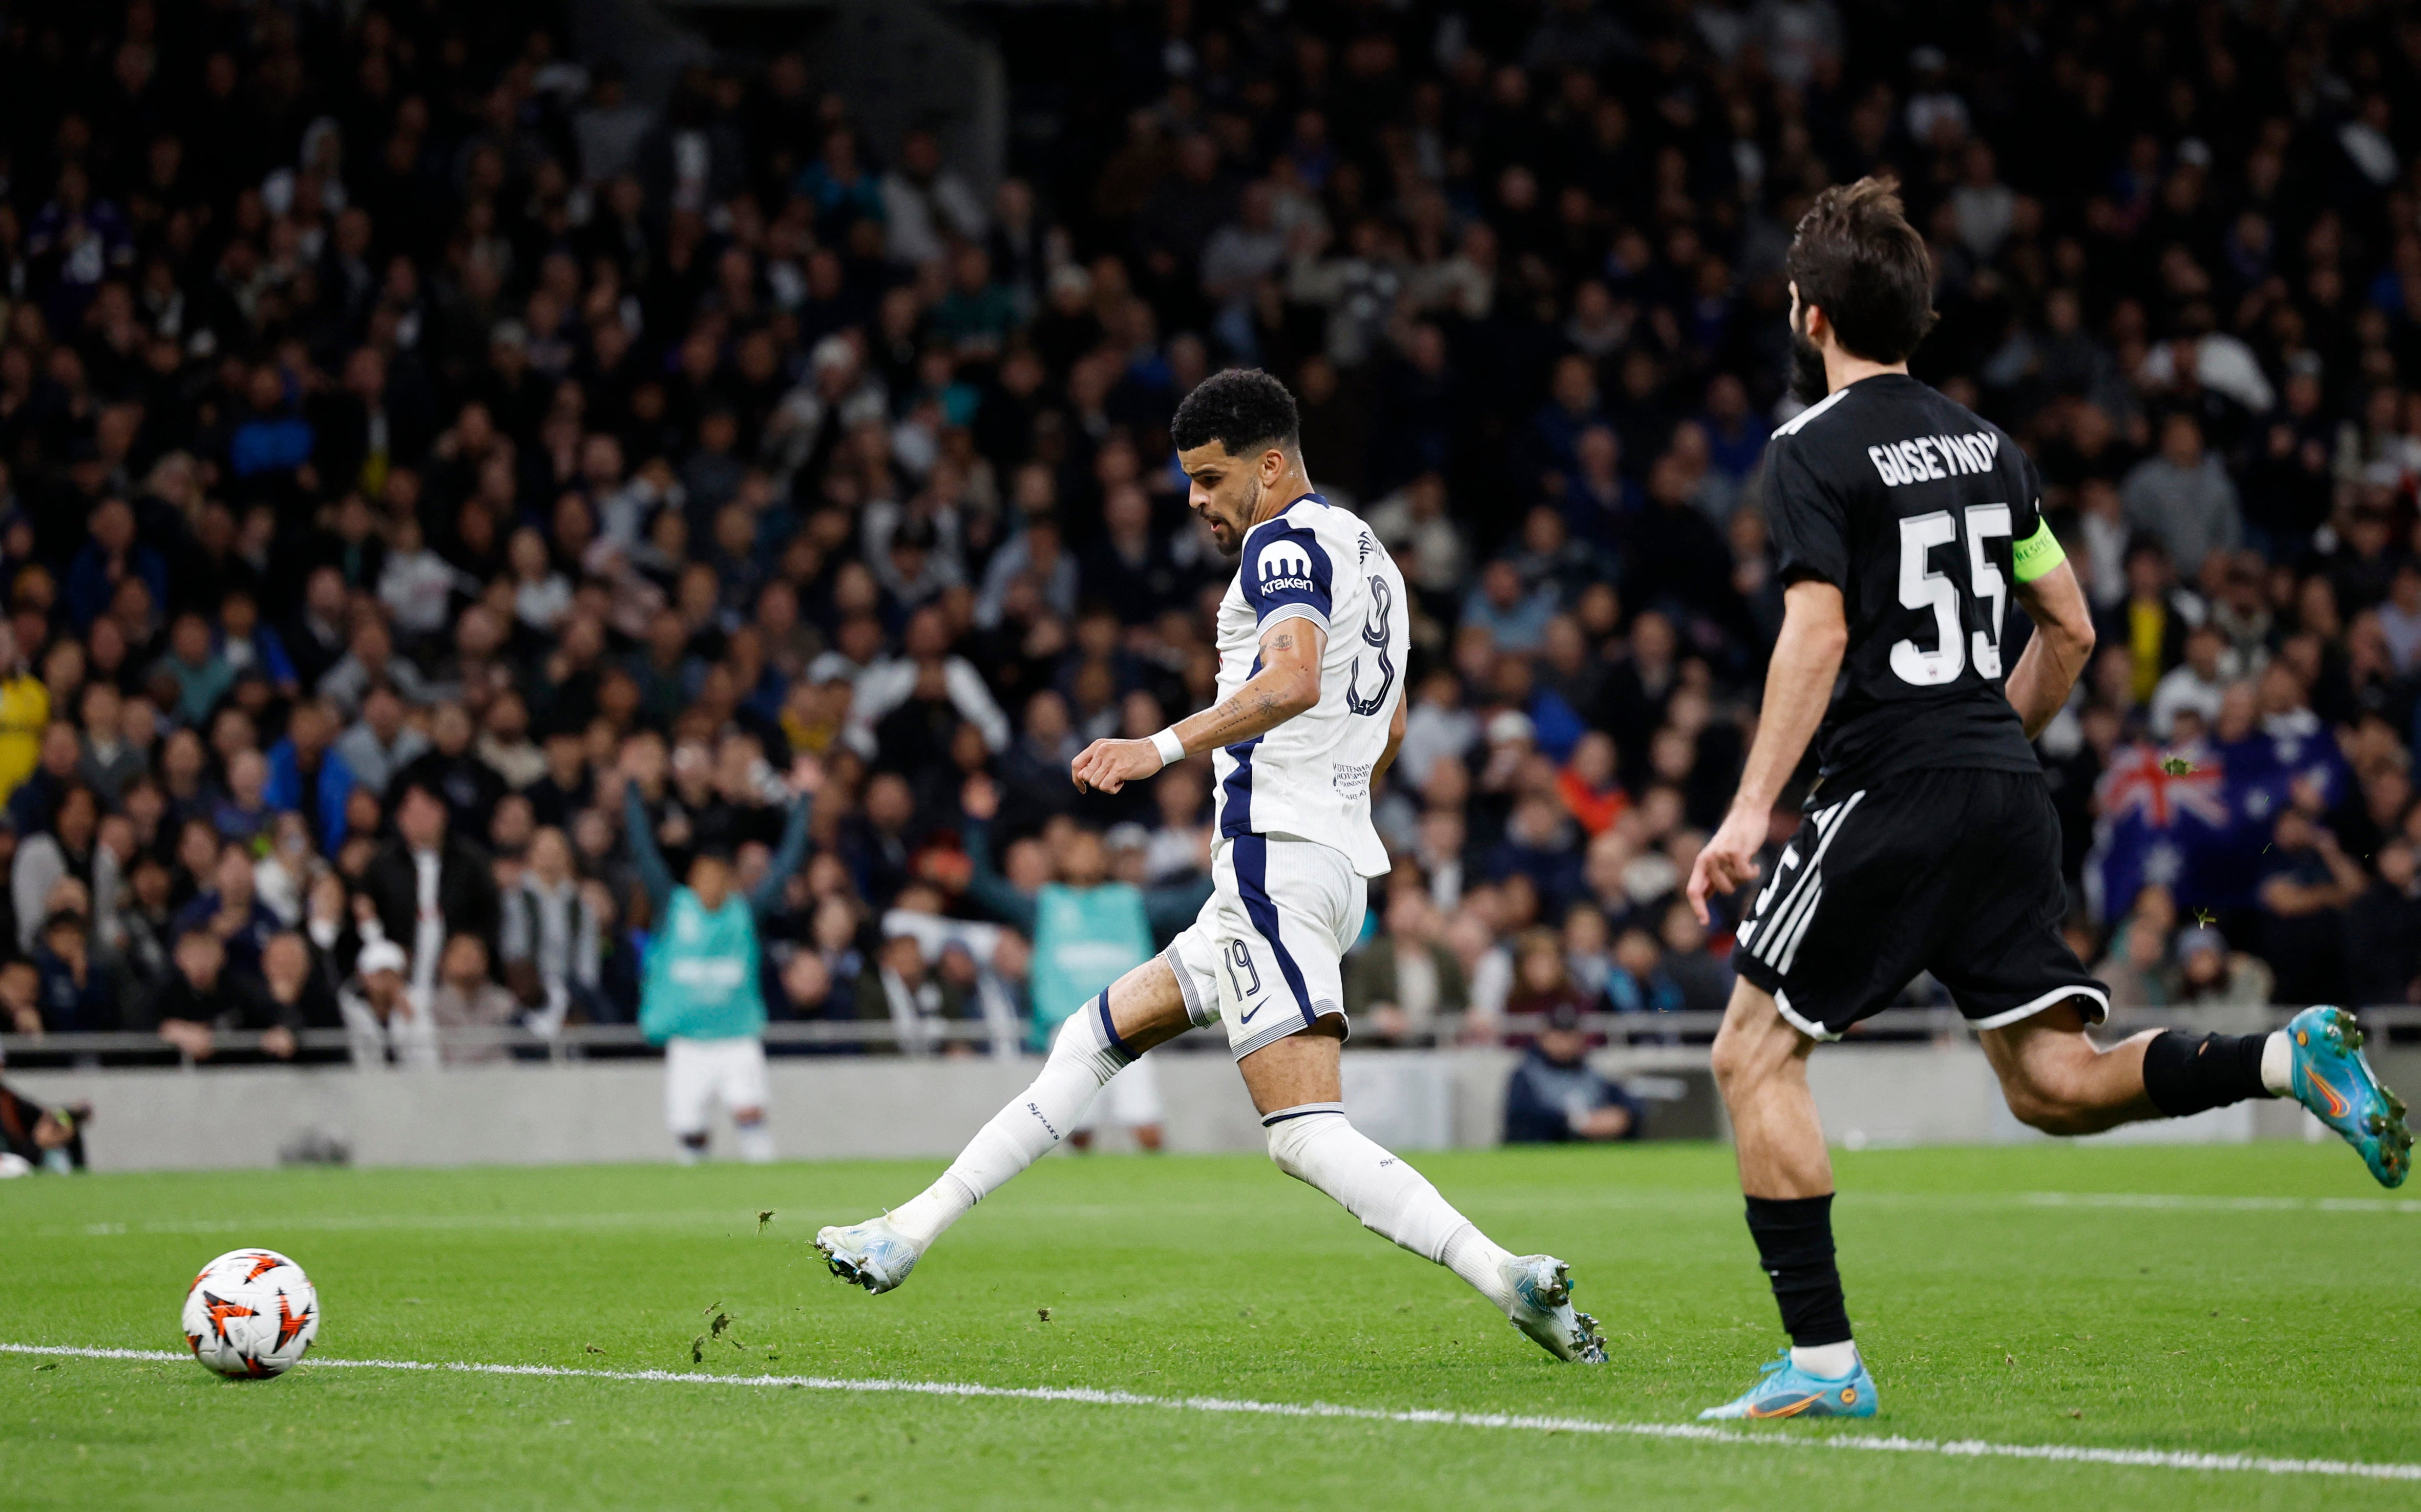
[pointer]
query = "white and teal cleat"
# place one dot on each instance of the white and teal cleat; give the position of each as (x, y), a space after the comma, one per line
(1542, 1308)
(873, 1254)
(2333, 1080)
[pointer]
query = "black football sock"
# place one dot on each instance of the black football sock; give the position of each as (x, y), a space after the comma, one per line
(1794, 1244)
(2189, 1073)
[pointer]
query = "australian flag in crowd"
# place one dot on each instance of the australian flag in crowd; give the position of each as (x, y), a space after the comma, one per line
(2195, 818)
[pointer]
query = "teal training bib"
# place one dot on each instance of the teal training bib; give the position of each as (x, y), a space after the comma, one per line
(701, 979)
(1084, 939)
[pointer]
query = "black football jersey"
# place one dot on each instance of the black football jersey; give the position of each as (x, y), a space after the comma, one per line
(1914, 507)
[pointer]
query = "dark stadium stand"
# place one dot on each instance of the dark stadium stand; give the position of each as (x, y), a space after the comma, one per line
(392, 397)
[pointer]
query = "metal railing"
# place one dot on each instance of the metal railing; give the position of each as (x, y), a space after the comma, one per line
(1643, 1031)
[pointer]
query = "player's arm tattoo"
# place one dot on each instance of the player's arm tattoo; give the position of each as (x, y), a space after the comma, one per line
(1284, 687)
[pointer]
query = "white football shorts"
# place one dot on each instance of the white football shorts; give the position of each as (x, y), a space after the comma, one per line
(699, 1073)
(1265, 955)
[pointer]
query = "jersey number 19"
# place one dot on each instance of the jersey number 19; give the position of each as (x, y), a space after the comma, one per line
(1922, 587)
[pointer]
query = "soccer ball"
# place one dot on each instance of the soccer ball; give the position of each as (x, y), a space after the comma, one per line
(251, 1313)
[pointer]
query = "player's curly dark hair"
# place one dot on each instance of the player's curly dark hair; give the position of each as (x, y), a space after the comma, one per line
(1857, 258)
(1242, 408)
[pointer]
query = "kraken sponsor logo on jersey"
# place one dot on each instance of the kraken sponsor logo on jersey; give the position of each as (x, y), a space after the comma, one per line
(1285, 565)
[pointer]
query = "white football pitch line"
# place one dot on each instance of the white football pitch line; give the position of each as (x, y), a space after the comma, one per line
(1689, 1432)
(2157, 1202)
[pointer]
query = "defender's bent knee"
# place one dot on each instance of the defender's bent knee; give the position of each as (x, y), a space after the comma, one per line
(1729, 1058)
(2057, 1109)
(2051, 1077)
(2035, 1109)
(1755, 1043)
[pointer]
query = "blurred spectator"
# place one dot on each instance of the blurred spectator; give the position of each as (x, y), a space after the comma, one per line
(78, 994)
(1587, 786)
(297, 991)
(24, 712)
(925, 205)
(118, 737)
(21, 997)
(2208, 974)
(2196, 685)
(1638, 982)
(230, 912)
(379, 743)
(1555, 1098)
(1703, 979)
(68, 851)
(34, 805)
(1399, 983)
(308, 776)
(2383, 931)
(1542, 983)
(2307, 882)
(428, 884)
(386, 1024)
(203, 997)
(2147, 631)
(2136, 967)
(899, 987)
(1515, 615)
(466, 998)
(553, 935)
(2183, 495)
(1436, 727)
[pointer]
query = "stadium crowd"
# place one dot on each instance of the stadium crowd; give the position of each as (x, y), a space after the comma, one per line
(402, 426)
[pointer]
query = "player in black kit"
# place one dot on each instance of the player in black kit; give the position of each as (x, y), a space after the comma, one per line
(1904, 526)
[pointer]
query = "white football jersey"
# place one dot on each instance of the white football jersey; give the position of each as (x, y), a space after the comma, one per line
(1310, 777)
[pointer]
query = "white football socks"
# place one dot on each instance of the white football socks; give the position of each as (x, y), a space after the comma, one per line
(2278, 1065)
(1083, 1059)
(1316, 1144)
(1825, 1362)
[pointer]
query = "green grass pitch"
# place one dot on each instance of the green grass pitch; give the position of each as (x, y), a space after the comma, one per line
(2111, 1298)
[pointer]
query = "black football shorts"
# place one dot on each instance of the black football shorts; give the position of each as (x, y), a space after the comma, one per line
(1954, 871)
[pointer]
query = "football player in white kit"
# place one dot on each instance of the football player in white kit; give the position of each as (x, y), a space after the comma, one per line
(1309, 713)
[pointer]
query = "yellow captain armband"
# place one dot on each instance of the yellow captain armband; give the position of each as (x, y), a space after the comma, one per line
(2039, 553)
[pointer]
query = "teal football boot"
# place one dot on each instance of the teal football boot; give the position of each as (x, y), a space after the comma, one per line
(2331, 1078)
(1783, 1390)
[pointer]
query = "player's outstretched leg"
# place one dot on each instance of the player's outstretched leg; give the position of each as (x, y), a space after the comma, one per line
(2058, 1080)
(1315, 1144)
(1295, 1082)
(1098, 1041)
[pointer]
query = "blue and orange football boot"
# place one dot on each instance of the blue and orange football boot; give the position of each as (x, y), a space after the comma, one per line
(2331, 1078)
(1783, 1390)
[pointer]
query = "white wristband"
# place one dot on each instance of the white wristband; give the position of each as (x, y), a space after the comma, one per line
(1171, 748)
